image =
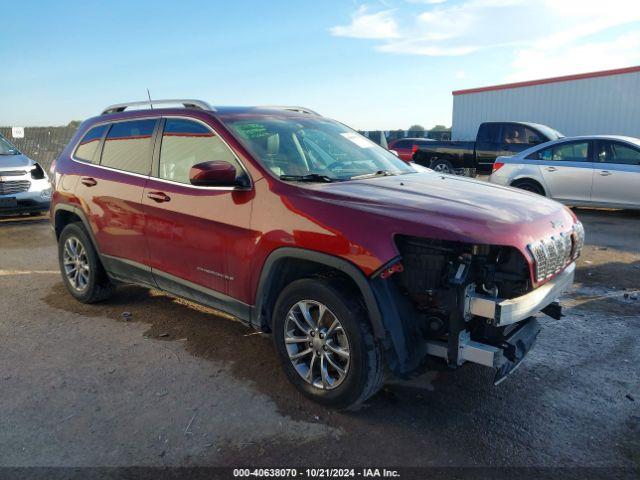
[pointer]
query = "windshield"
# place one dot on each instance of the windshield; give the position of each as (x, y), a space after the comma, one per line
(6, 148)
(548, 132)
(314, 149)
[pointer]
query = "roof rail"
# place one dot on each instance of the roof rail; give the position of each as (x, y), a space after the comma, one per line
(295, 109)
(186, 103)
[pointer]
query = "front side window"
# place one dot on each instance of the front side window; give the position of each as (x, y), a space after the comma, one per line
(313, 147)
(186, 143)
(531, 136)
(128, 146)
(614, 152)
(86, 150)
(513, 133)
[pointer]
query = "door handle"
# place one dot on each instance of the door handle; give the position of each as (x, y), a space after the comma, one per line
(605, 173)
(159, 197)
(551, 169)
(88, 181)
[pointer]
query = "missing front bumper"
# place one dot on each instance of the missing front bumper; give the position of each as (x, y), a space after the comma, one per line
(502, 312)
(505, 358)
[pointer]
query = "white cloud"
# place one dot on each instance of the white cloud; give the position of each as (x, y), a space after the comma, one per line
(533, 63)
(379, 25)
(544, 37)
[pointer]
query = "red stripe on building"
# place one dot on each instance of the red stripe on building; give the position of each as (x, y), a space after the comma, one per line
(567, 78)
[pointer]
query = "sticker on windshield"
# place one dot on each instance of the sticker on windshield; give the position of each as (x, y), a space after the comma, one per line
(251, 130)
(358, 139)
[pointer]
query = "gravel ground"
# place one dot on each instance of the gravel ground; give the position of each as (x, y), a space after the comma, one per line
(177, 385)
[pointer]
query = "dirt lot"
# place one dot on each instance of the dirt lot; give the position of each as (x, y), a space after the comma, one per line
(177, 385)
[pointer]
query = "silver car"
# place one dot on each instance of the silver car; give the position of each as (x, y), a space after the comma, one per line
(597, 171)
(24, 185)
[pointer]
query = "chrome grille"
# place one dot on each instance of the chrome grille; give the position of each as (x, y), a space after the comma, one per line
(12, 173)
(554, 253)
(13, 187)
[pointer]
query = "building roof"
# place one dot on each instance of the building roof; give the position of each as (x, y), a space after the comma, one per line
(566, 78)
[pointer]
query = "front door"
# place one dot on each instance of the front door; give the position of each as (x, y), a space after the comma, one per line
(616, 176)
(567, 171)
(192, 231)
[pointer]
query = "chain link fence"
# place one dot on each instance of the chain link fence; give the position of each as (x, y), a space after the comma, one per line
(42, 144)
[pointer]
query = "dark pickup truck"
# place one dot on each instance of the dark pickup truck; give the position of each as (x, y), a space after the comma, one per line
(494, 139)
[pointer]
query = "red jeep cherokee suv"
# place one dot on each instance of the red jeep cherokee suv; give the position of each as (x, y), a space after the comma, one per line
(299, 226)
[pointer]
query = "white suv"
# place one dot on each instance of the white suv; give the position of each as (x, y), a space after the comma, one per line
(24, 185)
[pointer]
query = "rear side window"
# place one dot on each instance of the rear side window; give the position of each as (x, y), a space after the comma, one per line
(88, 146)
(489, 132)
(186, 143)
(128, 146)
(566, 152)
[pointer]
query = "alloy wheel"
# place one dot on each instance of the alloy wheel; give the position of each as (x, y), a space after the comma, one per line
(317, 344)
(441, 168)
(76, 264)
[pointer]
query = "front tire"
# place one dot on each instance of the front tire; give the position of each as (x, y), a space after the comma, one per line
(82, 271)
(326, 344)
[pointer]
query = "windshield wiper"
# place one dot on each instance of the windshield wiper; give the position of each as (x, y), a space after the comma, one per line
(379, 173)
(311, 177)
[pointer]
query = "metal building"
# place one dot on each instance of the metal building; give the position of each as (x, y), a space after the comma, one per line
(606, 102)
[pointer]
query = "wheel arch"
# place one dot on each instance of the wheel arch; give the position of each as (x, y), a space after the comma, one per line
(520, 180)
(287, 264)
(64, 214)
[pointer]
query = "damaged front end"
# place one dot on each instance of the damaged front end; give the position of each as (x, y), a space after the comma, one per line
(467, 303)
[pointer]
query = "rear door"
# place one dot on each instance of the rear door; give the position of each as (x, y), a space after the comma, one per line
(195, 234)
(112, 177)
(567, 170)
(616, 178)
(487, 145)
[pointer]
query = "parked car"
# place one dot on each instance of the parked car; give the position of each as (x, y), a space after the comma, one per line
(299, 226)
(598, 171)
(494, 139)
(406, 147)
(24, 185)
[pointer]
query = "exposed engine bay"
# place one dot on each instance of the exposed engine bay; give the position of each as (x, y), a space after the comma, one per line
(458, 292)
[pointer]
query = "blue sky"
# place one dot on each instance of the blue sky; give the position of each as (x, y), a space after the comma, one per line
(371, 64)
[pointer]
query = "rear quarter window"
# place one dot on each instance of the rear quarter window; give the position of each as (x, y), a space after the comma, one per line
(88, 146)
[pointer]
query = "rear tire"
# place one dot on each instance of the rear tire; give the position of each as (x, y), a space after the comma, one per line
(349, 347)
(530, 186)
(81, 269)
(442, 166)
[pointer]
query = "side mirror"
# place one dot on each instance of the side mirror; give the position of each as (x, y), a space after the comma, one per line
(394, 152)
(213, 174)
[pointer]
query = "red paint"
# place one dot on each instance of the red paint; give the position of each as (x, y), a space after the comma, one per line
(404, 149)
(212, 174)
(497, 166)
(220, 238)
(566, 78)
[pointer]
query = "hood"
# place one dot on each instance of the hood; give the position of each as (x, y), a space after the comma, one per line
(15, 162)
(451, 207)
